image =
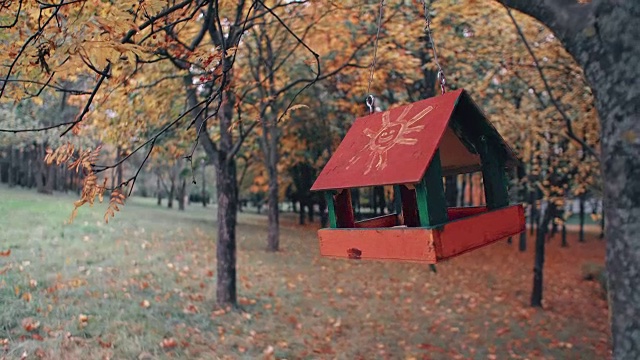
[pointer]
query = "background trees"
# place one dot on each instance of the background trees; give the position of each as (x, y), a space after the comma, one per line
(169, 83)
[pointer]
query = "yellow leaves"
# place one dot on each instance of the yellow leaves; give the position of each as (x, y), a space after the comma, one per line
(83, 320)
(286, 116)
(117, 198)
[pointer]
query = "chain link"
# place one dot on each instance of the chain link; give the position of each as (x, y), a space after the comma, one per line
(427, 18)
(370, 100)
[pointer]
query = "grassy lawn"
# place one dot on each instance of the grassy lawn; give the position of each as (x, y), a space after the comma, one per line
(89, 290)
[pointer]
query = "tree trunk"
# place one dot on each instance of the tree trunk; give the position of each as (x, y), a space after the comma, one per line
(523, 241)
(204, 187)
(182, 198)
(158, 190)
(172, 190)
(451, 190)
(310, 210)
(564, 236)
(273, 212)
(301, 212)
(602, 219)
(226, 191)
(119, 168)
(41, 170)
(536, 294)
(533, 212)
(226, 247)
(12, 168)
(50, 178)
(581, 231)
(603, 38)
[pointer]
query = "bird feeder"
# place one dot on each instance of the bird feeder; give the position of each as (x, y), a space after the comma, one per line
(412, 147)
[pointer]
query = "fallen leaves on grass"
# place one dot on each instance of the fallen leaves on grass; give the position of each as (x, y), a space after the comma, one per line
(83, 320)
(168, 343)
(29, 324)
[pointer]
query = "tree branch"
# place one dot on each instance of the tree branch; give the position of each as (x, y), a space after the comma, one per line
(554, 102)
(565, 18)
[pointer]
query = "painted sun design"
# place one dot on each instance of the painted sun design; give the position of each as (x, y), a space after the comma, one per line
(390, 134)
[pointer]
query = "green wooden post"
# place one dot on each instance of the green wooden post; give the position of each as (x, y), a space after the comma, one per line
(432, 205)
(333, 223)
(493, 175)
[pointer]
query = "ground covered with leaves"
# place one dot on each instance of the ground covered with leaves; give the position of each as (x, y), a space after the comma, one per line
(142, 287)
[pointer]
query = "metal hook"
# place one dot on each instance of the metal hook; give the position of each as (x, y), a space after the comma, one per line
(370, 101)
(443, 81)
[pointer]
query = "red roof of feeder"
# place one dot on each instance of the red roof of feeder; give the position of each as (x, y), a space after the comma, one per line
(396, 146)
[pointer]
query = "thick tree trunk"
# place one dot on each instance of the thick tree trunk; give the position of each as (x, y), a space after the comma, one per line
(226, 192)
(603, 37)
(538, 267)
(226, 247)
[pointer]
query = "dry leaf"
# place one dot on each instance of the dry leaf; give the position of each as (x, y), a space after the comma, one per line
(169, 343)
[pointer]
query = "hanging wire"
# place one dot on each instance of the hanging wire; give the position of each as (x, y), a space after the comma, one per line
(427, 18)
(370, 101)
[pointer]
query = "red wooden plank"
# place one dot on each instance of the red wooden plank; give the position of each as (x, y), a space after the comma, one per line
(391, 147)
(455, 213)
(384, 221)
(407, 244)
(470, 233)
(344, 209)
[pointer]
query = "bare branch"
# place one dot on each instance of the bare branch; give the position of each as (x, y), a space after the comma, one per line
(554, 102)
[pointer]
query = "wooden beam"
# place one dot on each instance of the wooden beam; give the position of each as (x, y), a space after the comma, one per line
(328, 195)
(409, 206)
(344, 209)
(432, 205)
(493, 175)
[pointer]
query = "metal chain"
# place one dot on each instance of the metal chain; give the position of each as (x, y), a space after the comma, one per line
(427, 18)
(370, 101)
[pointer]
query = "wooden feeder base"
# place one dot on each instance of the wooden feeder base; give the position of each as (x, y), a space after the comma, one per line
(467, 229)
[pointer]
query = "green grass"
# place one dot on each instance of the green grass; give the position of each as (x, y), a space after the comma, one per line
(293, 304)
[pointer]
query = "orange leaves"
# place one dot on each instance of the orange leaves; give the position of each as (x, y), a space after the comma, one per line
(85, 159)
(91, 187)
(168, 343)
(30, 324)
(60, 155)
(117, 198)
(5, 253)
(83, 320)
